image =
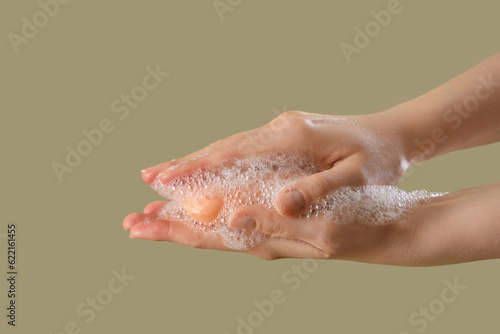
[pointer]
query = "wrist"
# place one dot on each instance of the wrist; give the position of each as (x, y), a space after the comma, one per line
(393, 134)
(415, 131)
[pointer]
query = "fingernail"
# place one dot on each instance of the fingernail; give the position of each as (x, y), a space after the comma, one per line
(147, 175)
(137, 234)
(294, 201)
(245, 222)
(150, 168)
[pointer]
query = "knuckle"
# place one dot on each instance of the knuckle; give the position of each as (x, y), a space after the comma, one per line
(169, 231)
(275, 228)
(297, 119)
(290, 114)
(319, 186)
(218, 143)
(289, 123)
(215, 145)
(267, 226)
(293, 119)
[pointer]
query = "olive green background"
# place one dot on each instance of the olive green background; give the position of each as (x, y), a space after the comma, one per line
(225, 77)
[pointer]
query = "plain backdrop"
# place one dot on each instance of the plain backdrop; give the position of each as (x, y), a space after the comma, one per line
(226, 76)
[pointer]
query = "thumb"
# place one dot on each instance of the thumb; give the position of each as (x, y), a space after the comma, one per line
(294, 200)
(254, 217)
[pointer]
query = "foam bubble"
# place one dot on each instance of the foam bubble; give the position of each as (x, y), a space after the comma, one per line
(256, 180)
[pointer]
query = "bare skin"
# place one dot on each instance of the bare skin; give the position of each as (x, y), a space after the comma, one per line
(457, 227)
(350, 149)
(372, 149)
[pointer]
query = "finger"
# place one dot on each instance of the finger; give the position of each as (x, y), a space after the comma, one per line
(174, 231)
(134, 218)
(294, 200)
(254, 217)
(196, 159)
(155, 207)
(165, 165)
(265, 139)
(149, 174)
(150, 227)
(236, 147)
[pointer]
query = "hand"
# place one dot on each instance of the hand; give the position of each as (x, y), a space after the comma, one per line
(458, 227)
(287, 236)
(351, 150)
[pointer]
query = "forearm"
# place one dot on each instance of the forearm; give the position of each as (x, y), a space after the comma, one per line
(458, 227)
(462, 113)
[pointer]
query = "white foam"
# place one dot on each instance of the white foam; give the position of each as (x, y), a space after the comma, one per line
(256, 180)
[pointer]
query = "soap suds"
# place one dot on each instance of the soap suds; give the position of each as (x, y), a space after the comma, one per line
(256, 180)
